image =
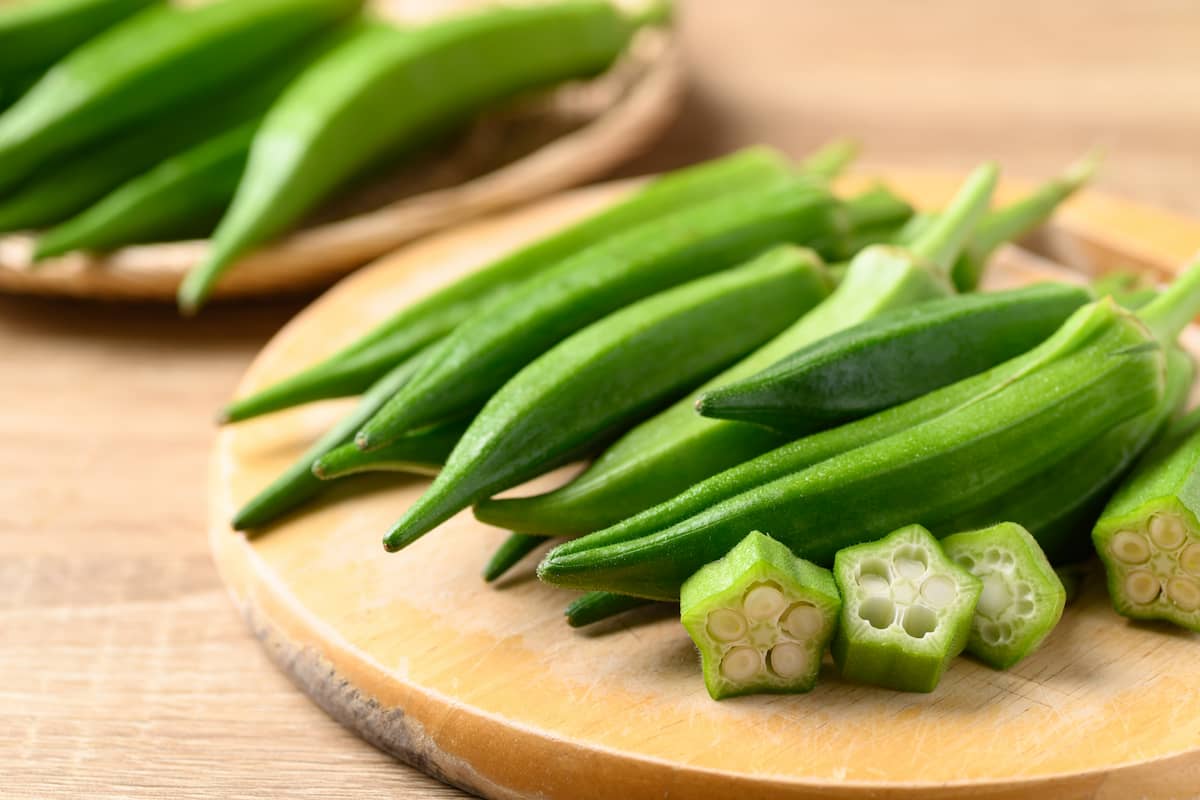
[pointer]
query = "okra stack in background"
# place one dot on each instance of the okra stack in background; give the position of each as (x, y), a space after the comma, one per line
(129, 121)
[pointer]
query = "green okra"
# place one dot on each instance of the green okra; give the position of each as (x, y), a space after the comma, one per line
(606, 376)
(36, 33)
(894, 357)
(1060, 504)
(1022, 598)
(297, 484)
(831, 159)
(342, 116)
(357, 366)
(1101, 368)
(870, 218)
(480, 355)
(906, 611)
(592, 607)
(180, 197)
(761, 619)
(422, 452)
(676, 449)
(154, 63)
(509, 554)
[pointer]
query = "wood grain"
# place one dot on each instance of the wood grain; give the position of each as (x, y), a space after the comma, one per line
(125, 671)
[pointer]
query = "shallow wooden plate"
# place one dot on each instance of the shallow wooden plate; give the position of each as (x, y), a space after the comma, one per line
(486, 687)
(511, 156)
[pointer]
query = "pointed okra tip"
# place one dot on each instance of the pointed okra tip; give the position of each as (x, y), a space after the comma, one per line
(761, 619)
(1176, 306)
(906, 611)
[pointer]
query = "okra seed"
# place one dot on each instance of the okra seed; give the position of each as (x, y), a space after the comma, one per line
(1130, 547)
(1190, 559)
(1167, 531)
(726, 625)
(874, 584)
(939, 590)
(764, 601)
(919, 621)
(804, 621)
(1142, 586)
(904, 593)
(741, 664)
(879, 611)
(787, 660)
(876, 566)
(911, 562)
(1184, 592)
(995, 597)
(990, 632)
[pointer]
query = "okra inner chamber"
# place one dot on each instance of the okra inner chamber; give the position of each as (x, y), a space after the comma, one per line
(1153, 565)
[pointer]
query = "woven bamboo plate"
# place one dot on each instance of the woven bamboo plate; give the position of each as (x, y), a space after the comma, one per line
(533, 148)
(486, 688)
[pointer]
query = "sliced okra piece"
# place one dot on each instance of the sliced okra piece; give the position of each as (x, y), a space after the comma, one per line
(1022, 598)
(906, 611)
(1149, 538)
(761, 619)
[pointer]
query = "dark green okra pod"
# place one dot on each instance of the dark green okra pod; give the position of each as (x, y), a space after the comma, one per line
(355, 367)
(36, 33)
(906, 611)
(592, 607)
(509, 554)
(342, 115)
(611, 373)
(1022, 598)
(761, 619)
(676, 449)
(422, 452)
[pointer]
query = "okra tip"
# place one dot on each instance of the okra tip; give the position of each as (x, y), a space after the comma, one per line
(653, 13)
(1081, 172)
(944, 241)
(1169, 313)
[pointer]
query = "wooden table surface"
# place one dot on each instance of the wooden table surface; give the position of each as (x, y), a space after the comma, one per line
(124, 670)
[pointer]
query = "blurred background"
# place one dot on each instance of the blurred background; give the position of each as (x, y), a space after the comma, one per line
(123, 665)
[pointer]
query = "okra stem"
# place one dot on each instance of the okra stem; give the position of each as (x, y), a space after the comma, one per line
(509, 553)
(1169, 313)
(946, 237)
(593, 607)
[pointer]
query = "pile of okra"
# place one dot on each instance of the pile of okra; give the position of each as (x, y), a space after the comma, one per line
(130, 121)
(801, 420)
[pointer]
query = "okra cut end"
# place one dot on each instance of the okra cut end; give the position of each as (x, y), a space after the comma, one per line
(1022, 597)
(761, 619)
(906, 611)
(1152, 560)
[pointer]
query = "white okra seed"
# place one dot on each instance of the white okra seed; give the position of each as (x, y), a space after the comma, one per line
(803, 621)
(911, 562)
(919, 621)
(995, 598)
(1190, 559)
(787, 660)
(879, 611)
(1142, 586)
(939, 591)
(874, 584)
(764, 601)
(1167, 531)
(726, 625)
(1184, 592)
(741, 664)
(1130, 547)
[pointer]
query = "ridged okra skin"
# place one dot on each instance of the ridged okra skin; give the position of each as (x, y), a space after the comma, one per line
(1022, 597)
(422, 452)
(36, 33)
(906, 611)
(355, 367)
(482, 354)
(593, 607)
(153, 62)
(604, 378)
(761, 619)
(1149, 536)
(892, 358)
(1100, 369)
(677, 448)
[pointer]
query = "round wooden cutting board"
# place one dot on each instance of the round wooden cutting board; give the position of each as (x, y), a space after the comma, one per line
(486, 688)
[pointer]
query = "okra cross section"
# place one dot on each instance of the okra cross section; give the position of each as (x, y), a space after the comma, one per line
(906, 610)
(761, 618)
(1022, 598)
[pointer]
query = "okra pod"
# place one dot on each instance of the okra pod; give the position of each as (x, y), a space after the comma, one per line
(611, 373)
(159, 60)
(421, 452)
(761, 619)
(480, 355)
(1022, 598)
(894, 357)
(444, 71)
(36, 33)
(180, 197)
(906, 611)
(355, 367)
(593, 607)
(1101, 368)
(676, 449)
(509, 553)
